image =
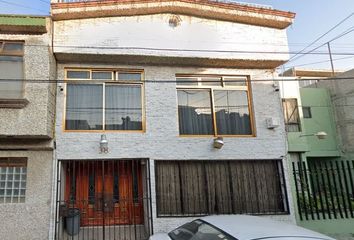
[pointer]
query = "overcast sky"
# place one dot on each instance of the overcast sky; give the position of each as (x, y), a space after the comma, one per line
(313, 18)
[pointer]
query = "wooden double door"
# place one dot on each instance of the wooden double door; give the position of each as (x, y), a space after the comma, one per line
(105, 192)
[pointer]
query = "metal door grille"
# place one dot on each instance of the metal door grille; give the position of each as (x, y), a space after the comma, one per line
(112, 196)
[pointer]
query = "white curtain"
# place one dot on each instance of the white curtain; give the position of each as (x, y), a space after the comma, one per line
(84, 104)
(123, 107)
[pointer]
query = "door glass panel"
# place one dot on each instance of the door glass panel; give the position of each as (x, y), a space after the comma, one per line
(116, 185)
(91, 188)
(135, 184)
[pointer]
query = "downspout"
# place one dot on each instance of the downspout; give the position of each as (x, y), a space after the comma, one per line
(53, 212)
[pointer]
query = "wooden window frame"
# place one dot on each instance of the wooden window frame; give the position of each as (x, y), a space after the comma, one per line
(15, 53)
(103, 82)
(222, 86)
(18, 102)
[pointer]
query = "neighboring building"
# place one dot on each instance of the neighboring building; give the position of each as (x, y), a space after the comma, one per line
(340, 90)
(322, 167)
(307, 111)
(308, 76)
(27, 105)
(153, 79)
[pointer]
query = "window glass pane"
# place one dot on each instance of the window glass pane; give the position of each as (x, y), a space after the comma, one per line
(123, 107)
(10, 189)
(11, 68)
(307, 112)
(198, 230)
(187, 81)
(102, 75)
(13, 47)
(235, 81)
(211, 81)
(78, 74)
(129, 76)
(194, 112)
(232, 113)
(84, 107)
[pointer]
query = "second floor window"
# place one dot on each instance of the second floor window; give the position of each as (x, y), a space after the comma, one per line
(104, 100)
(291, 115)
(214, 105)
(11, 70)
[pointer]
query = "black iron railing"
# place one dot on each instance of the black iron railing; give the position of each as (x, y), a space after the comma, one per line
(324, 189)
(103, 200)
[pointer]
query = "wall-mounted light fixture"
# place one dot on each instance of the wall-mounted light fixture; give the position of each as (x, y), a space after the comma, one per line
(319, 135)
(103, 144)
(218, 142)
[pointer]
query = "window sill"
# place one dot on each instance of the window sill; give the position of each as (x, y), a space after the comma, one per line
(13, 103)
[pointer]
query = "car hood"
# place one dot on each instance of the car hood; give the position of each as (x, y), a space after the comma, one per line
(160, 236)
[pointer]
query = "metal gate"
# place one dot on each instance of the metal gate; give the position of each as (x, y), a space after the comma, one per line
(103, 199)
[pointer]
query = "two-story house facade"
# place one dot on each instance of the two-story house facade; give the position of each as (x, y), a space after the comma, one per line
(160, 117)
(27, 100)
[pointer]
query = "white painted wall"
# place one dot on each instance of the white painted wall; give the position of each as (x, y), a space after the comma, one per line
(103, 35)
(161, 140)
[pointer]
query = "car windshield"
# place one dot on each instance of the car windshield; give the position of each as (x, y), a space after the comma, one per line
(198, 230)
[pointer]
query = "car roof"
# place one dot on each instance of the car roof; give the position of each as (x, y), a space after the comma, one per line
(244, 227)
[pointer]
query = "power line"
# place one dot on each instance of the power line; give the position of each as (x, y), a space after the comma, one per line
(22, 6)
(325, 61)
(184, 50)
(279, 79)
(349, 30)
(320, 37)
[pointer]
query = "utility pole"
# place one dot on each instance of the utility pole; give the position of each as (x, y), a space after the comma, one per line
(330, 57)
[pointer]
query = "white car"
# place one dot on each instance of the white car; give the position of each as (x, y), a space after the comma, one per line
(238, 227)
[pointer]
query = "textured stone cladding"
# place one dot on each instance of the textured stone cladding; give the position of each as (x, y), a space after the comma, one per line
(37, 118)
(30, 220)
(161, 141)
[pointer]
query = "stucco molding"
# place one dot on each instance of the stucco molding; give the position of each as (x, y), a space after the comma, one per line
(13, 103)
(232, 12)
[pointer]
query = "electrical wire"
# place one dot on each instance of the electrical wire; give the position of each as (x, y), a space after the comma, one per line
(278, 79)
(325, 61)
(185, 50)
(323, 35)
(351, 29)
